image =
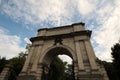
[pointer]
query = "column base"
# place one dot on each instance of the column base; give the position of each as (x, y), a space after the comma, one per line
(92, 75)
(26, 77)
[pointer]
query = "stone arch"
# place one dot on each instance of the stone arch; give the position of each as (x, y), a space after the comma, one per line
(61, 48)
(50, 53)
(74, 40)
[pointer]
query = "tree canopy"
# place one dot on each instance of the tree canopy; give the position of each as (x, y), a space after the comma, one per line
(116, 58)
(60, 70)
(57, 70)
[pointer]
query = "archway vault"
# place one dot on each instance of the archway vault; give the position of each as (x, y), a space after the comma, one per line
(72, 40)
(53, 51)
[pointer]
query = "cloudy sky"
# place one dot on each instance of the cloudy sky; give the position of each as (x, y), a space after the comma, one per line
(20, 19)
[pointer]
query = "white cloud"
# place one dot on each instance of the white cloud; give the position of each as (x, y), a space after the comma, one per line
(27, 40)
(65, 58)
(103, 16)
(55, 12)
(105, 11)
(109, 32)
(9, 44)
(85, 7)
(36, 12)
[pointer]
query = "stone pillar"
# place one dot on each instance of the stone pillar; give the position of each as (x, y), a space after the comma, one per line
(75, 70)
(39, 72)
(35, 63)
(6, 72)
(79, 56)
(42, 72)
(91, 55)
(25, 67)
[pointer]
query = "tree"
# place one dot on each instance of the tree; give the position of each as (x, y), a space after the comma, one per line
(27, 48)
(17, 64)
(110, 70)
(116, 58)
(57, 70)
(70, 72)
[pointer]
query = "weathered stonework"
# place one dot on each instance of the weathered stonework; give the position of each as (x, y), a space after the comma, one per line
(72, 40)
(4, 75)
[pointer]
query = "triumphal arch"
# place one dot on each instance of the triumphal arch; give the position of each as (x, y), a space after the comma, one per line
(72, 40)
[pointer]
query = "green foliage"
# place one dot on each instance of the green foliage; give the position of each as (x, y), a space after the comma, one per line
(116, 58)
(110, 70)
(57, 70)
(27, 48)
(60, 70)
(17, 64)
(70, 72)
(113, 68)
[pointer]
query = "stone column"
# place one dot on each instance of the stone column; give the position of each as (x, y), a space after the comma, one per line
(39, 72)
(75, 70)
(25, 67)
(42, 72)
(91, 54)
(35, 63)
(79, 56)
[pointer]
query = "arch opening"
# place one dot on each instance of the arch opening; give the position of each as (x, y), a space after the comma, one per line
(51, 54)
(58, 54)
